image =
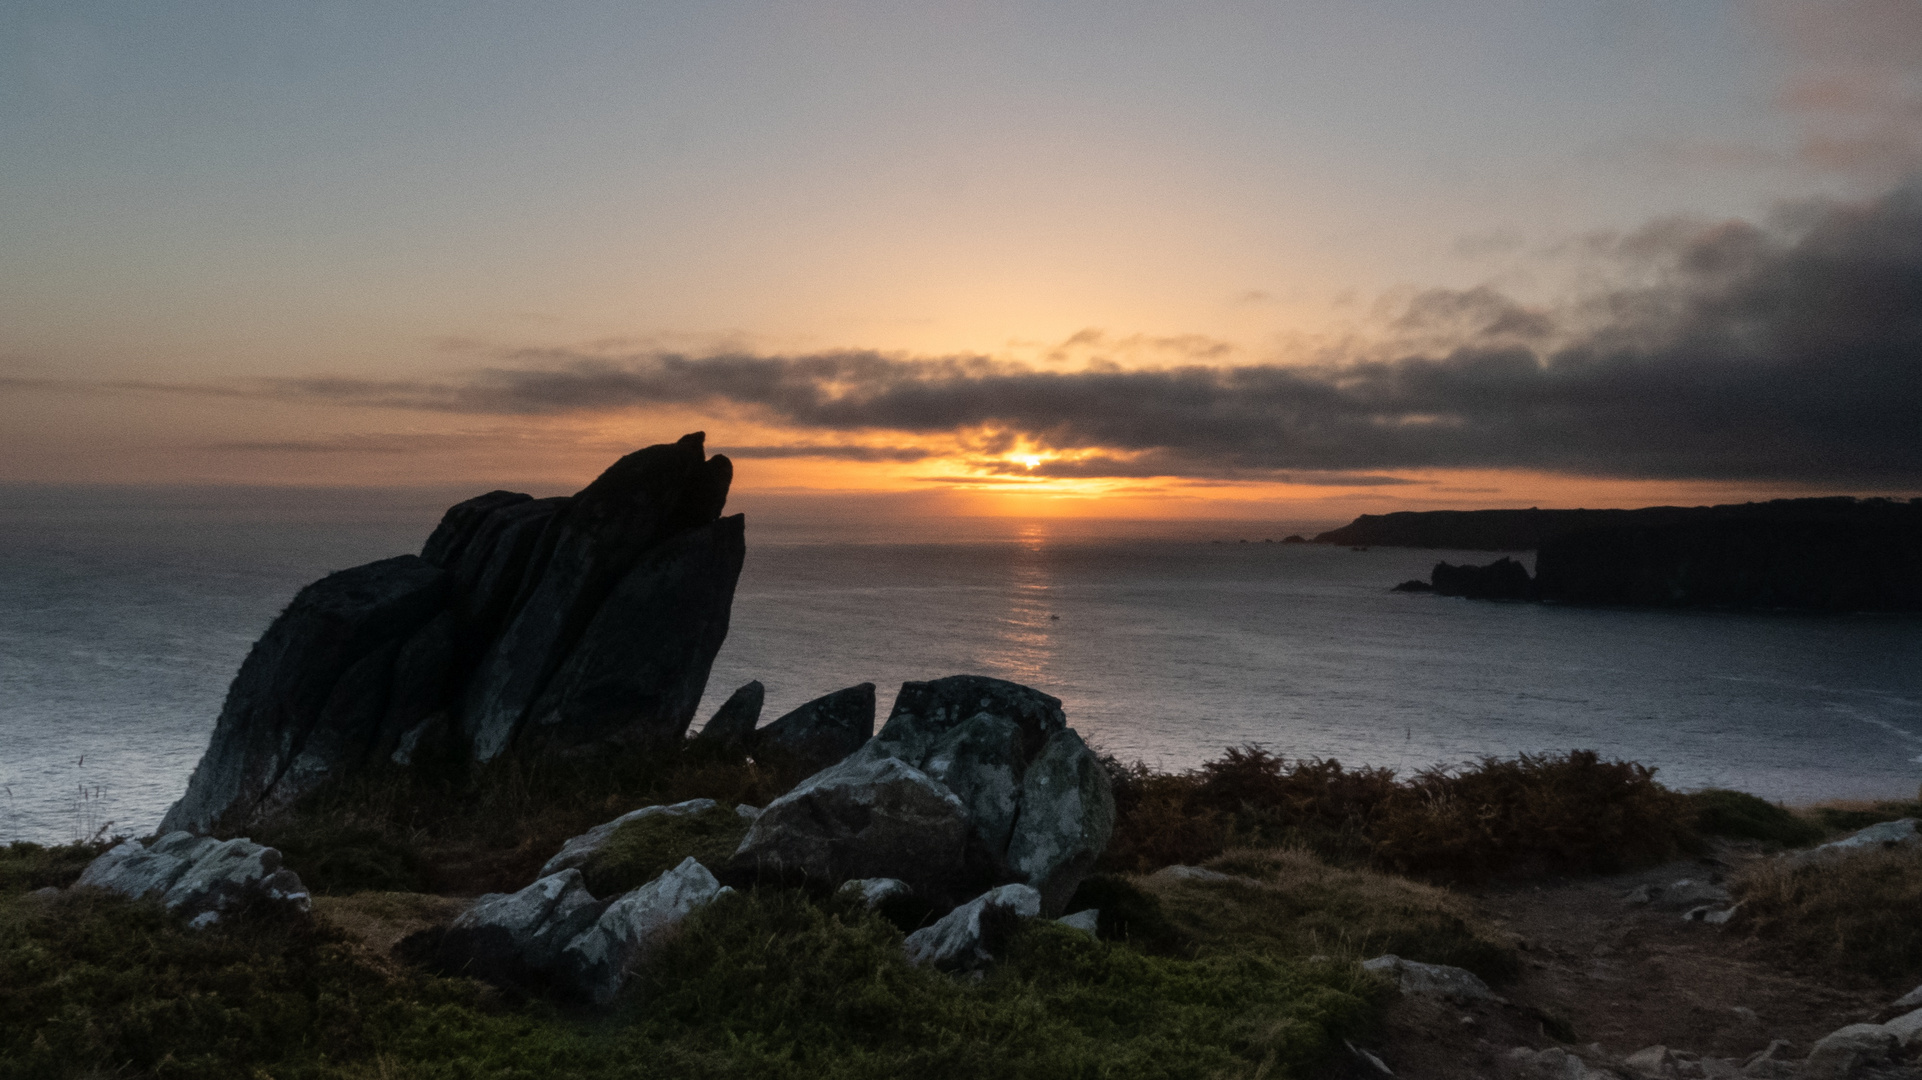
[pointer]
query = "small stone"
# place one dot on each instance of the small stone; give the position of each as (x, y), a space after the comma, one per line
(1651, 1061)
(1747, 1014)
(1720, 918)
(1371, 1060)
(746, 811)
(966, 938)
(1088, 922)
(1907, 1029)
(1642, 894)
(1840, 1053)
(871, 893)
(1193, 873)
(1438, 980)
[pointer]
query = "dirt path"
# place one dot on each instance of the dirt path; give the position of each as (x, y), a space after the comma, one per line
(1611, 977)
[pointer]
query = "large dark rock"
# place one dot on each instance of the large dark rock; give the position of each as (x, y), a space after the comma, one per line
(551, 624)
(732, 725)
(821, 732)
(992, 759)
(516, 939)
(593, 544)
(330, 653)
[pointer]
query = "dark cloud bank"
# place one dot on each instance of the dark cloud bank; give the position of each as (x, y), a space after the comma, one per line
(1787, 353)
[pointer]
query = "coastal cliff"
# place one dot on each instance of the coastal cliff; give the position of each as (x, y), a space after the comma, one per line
(1528, 530)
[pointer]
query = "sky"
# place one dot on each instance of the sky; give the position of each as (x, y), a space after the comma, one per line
(1295, 259)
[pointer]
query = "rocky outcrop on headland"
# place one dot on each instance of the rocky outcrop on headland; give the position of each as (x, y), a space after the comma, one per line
(524, 625)
(1529, 530)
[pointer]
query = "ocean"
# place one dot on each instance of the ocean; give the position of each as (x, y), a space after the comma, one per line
(124, 613)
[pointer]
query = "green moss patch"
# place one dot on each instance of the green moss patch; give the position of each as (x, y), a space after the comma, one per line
(642, 850)
(1744, 817)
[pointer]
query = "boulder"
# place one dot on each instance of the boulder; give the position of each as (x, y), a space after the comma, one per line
(1688, 894)
(968, 937)
(330, 653)
(517, 938)
(1432, 980)
(732, 726)
(1907, 1030)
(1651, 1061)
(871, 893)
(576, 851)
(925, 711)
(982, 762)
(1847, 1051)
(198, 877)
(1087, 921)
(1910, 1000)
(1878, 837)
(820, 732)
(1067, 815)
(597, 963)
(869, 816)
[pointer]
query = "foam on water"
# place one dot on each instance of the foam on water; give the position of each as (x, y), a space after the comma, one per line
(123, 616)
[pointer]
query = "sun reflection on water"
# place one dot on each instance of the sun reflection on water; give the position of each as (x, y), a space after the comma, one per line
(1024, 649)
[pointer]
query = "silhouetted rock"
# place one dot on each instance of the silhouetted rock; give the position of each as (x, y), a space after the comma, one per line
(732, 726)
(1503, 579)
(559, 624)
(822, 731)
(1413, 585)
(596, 542)
(330, 653)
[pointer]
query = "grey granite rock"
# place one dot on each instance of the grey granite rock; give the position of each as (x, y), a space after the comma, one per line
(517, 938)
(869, 816)
(1087, 921)
(871, 893)
(968, 937)
(198, 877)
(598, 962)
(1067, 815)
(1846, 1051)
(1435, 980)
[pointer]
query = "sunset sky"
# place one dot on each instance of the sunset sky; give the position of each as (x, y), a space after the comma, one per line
(1288, 260)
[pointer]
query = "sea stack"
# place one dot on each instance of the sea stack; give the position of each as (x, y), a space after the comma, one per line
(524, 625)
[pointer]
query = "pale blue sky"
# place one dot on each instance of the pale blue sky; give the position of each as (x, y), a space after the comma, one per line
(201, 191)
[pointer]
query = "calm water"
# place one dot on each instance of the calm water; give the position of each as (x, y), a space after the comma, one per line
(124, 613)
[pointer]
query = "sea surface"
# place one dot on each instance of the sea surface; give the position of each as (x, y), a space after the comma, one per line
(125, 612)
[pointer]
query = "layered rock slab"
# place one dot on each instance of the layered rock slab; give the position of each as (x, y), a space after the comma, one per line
(549, 624)
(819, 732)
(197, 876)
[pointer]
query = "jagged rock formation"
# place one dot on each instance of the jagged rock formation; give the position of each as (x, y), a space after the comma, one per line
(1503, 579)
(820, 732)
(732, 726)
(525, 624)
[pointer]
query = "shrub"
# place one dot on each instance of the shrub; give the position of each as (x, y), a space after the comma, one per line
(1128, 914)
(1567, 813)
(1573, 814)
(340, 859)
(25, 866)
(1853, 913)
(1720, 812)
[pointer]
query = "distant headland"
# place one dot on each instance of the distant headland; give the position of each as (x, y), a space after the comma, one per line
(1828, 554)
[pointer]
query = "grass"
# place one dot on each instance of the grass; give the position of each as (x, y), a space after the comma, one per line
(453, 828)
(1851, 816)
(1742, 816)
(25, 867)
(1853, 914)
(767, 983)
(1291, 904)
(1570, 813)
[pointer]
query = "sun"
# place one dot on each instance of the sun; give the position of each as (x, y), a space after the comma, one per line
(1030, 460)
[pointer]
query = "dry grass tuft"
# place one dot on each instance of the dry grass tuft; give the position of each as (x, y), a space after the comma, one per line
(1859, 913)
(1563, 813)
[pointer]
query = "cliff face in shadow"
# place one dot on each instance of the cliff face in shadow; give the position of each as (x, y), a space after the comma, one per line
(1528, 530)
(1796, 554)
(1803, 565)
